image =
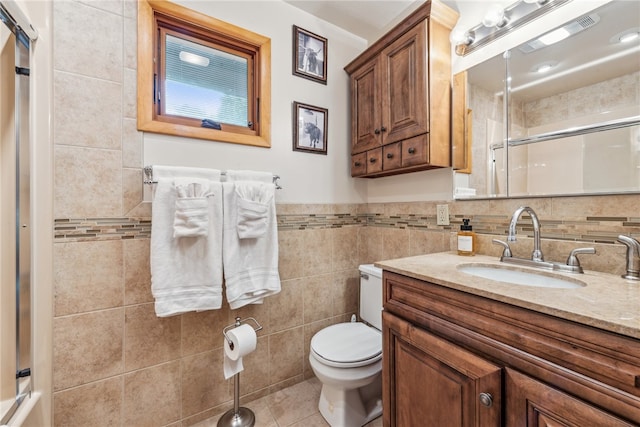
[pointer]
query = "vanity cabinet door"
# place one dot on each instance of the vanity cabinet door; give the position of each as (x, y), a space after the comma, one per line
(365, 107)
(530, 403)
(404, 86)
(428, 381)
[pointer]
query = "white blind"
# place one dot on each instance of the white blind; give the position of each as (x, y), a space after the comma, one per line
(205, 83)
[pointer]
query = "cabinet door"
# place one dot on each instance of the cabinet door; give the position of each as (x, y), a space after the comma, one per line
(428, 381)
(404, 91)
(530, 403)
(365, 108)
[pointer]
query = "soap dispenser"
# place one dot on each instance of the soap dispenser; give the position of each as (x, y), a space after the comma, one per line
(466, 239)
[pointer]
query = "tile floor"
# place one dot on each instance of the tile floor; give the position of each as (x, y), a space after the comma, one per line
(295, 406)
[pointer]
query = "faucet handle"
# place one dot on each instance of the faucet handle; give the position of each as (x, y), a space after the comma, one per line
(506, 253)
(573, 260)
(633, 261)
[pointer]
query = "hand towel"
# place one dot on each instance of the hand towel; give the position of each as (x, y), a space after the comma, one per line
(186, 272)
(250, 263)
(192, 208)
(254, 200)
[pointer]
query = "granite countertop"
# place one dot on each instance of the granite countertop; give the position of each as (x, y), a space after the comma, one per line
(607, 302)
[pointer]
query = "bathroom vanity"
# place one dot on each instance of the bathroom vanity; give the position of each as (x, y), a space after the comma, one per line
(462, 350)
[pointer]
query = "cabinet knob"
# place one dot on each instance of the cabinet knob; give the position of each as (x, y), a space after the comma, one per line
(411, 150)
(383, 129)
(376, 131)
(389, 155)
(357, 164)
(372, 160)
(486, 399)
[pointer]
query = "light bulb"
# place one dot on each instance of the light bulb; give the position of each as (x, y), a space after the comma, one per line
(494, 17)
(457, 36)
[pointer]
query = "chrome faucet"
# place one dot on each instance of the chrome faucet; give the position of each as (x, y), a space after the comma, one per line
(633, 257)
(572, 264)
(536, 255)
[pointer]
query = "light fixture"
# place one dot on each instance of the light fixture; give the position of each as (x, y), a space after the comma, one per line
(544, 67)
(194, 59)
(554, 36)
(498, 21)
(626, 36)
(629, 37)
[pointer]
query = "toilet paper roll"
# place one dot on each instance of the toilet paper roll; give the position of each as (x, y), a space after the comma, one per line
(243, 341)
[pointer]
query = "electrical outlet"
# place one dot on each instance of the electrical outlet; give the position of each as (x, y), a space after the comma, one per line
(442, 214)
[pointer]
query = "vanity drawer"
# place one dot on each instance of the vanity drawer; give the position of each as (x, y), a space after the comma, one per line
(415, 151)
(359, 164)
(374, 161)
(391, 155)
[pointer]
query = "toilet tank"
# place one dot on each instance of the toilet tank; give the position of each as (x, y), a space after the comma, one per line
(371, 295)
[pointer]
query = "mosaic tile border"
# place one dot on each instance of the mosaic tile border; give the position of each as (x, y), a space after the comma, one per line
(91, 229)
(591, 229)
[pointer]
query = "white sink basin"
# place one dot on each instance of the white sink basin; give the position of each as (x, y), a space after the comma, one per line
(519, 277)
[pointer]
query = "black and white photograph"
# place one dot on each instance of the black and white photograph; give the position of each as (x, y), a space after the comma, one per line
(309, 55)
(310, 128)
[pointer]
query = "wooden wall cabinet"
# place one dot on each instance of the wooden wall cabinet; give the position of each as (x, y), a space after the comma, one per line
(400, 96)
(453, 359)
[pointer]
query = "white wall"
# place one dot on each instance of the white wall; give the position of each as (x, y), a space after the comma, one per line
(305, 177)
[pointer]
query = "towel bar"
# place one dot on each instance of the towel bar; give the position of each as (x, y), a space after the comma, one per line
(148, 173)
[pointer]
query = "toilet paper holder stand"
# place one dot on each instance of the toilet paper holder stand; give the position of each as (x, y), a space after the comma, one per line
(239, 322)
(238, 416)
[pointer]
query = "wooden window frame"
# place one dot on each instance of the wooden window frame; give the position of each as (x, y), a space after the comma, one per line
(221, 34)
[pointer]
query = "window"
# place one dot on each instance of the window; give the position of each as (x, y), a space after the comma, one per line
(202, 78)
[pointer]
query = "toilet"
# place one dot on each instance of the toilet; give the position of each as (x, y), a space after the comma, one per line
(347, 359)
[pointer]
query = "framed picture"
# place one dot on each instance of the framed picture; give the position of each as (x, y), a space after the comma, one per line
(310, 128)
(309, 55)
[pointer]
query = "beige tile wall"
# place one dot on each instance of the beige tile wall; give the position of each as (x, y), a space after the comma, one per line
(107, 336)
(115, 362)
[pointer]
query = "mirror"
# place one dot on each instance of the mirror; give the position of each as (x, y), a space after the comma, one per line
(572, 129)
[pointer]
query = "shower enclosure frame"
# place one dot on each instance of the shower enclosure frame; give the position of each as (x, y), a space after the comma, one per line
(24, 34)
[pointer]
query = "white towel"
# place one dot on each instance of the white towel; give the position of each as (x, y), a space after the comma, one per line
(192, 208)
(250, 263)
(186, 272)
(254, 202)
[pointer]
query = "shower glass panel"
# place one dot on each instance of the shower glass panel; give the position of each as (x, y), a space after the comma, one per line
(15, 218)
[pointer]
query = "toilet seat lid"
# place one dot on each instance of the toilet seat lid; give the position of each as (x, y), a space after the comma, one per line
(348, 343)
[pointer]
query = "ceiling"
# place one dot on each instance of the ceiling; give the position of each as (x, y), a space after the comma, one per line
(367, 19)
